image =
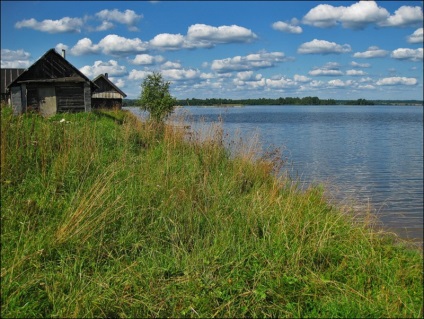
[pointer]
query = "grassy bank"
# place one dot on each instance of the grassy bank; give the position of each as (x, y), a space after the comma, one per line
(103, 215)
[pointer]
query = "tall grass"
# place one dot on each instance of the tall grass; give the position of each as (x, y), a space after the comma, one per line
(106, 216)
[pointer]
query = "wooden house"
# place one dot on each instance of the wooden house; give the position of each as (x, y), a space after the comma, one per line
(7, 77)
(51, 85)
(107, 95)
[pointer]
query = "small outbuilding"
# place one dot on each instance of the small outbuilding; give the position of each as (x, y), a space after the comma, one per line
(51, 85)
(107, 95)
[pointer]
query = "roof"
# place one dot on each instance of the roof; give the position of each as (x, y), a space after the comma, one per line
(102, 77)
(52, 67)
(8, 76)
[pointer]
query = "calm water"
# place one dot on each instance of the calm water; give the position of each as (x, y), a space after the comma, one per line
(372, 155)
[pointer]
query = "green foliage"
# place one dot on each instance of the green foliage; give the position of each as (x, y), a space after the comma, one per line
(104, 216)
(155, 97)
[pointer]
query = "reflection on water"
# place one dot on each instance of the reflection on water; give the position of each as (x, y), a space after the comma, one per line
(372, 154)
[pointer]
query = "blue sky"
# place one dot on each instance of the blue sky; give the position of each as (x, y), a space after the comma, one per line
(229, 49)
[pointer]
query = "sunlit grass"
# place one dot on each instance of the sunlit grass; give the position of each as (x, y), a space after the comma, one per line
(105, 215)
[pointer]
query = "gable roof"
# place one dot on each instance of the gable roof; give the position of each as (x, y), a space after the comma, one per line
(8, 75)
(52, 67)
(103, 78)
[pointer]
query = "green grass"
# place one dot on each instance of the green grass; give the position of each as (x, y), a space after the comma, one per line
(106, 216)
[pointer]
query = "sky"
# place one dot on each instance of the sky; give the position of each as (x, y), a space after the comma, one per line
(229, 49)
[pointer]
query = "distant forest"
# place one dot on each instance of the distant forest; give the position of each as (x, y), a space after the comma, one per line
(309, 100)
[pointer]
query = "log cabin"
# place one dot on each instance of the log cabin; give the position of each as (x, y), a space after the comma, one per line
(51, 85)
(107, 95)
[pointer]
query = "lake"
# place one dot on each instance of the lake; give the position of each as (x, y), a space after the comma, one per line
(369, 156)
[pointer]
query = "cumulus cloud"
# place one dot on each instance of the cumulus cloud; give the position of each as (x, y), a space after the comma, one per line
(110, 44)
(360, 65)
(322, 47)
(248, 62)
(416, 37)
(372, 52)
(83, 47)
(119, 82)
(405, 16)
(117, 45)
(355, 72)
(128, 17)
(180, 74)
(325, 72)
(281, 83)
(15, 59)
(64, 25)
(221, 34)
(356, 16)
(99, 67)
(171, 65)
(60, 46)
(361, 14)
(167, 41)
(408, 54)
(397, 81)
(106, 25)
(329, 69)
(203, 36)
(287, 27)
(338, 83)
(138, 74)
(301, 78)
(146, 59)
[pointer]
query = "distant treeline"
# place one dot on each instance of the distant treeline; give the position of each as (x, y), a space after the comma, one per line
(309, 100)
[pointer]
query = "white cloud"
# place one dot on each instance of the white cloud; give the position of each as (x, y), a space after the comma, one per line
(63, 25)
(117, 45)
(316, 83)
(405, 16)
(325, 72)
(128, 17)
(361, 14)
(15, 59)
(111, 44)
(203, 36)
(138, 74)
(60, 46)
(248, 62)
(301, 78)
(99, 67)
(119, 82)
(84, 46)
(355, 72)
(167, 41)
(171, 65)
(356, 16)
(287, 27)
(372, 52)
(146, 59)
(280, 83)
(338, 83)
(408, 54)
(360, 65)
(322, 47)
(329, 69)
(221, 34)
(106, 25)
(416, 37)
(397, 81)
(180, 74)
